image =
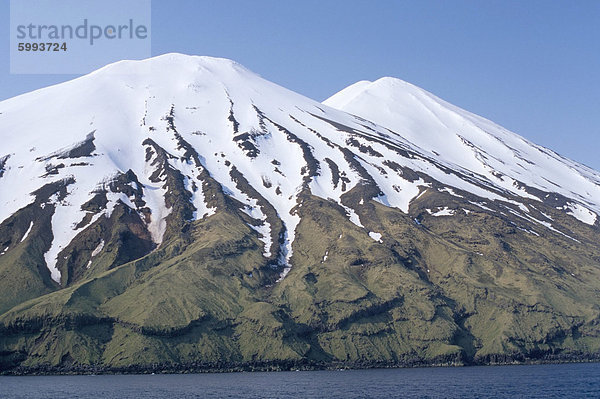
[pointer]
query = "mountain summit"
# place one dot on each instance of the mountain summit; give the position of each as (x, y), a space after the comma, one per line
(182, 211)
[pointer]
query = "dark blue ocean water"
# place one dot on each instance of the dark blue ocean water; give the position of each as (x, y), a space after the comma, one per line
(539, 381)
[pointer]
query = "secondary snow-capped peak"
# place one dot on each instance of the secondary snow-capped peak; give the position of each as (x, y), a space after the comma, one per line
(465, 141)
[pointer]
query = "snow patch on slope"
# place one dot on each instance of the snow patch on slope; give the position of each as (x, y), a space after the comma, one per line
(64, 221)
(98, 249)
(27, 232)
(449, 191)
(375, 236)
(352, 216)
(581, 213)
(445, 211)
(264, 231)
(154, 196)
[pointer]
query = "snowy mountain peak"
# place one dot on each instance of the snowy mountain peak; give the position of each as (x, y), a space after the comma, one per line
(386, 89)
(182, 63)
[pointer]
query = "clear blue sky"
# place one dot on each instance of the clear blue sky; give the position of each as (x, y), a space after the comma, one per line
(532, 66)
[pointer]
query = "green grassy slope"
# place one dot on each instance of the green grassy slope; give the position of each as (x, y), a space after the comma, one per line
(467, 288)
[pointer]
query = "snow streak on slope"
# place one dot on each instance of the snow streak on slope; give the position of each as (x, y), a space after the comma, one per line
(177, 119)
(27, 232)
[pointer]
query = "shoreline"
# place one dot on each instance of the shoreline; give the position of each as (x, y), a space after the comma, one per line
(282, 366)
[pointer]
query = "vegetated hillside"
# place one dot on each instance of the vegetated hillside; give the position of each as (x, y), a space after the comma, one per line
(183, 213)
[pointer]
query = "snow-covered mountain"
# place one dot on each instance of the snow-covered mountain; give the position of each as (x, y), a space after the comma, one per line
(201, 114)
(182, 212)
